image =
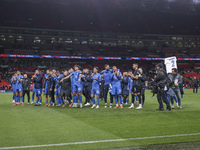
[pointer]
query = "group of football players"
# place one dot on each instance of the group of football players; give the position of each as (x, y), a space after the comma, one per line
(73, 83)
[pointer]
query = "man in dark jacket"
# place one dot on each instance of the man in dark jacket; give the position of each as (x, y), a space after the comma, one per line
(195, 84)
(161, 81)
(26, 82)
(52, 87)
(143, 80)
(65, 83)
(37, 79)
(181, 86)
(87, 86)
(101, 96)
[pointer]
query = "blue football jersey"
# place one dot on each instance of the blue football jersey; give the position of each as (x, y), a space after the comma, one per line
(107, 76)
(116, 80)
(18, 83)
(76, 77)
(95, 83)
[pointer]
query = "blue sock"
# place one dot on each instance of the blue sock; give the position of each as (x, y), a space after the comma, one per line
(169, 99)
(62, 101)
(22, 98)
(40, 100)
(80, 98)
(77, 99)
(93, 100)
(74, 99)
(47, 102)
(36, 101)
(120, 99)
(33, 97)
(97, 100)
(136, 97)
(57, 99)
(18, 99)
(116, 100)
(127, 100)
(175, 98)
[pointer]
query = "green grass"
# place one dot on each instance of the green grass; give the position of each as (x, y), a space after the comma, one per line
(30, 125)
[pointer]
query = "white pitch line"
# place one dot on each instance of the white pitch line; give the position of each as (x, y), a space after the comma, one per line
(101, 141)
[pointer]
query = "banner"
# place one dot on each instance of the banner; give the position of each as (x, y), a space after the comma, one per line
(63, 57)
(158, 58)
(90, 57)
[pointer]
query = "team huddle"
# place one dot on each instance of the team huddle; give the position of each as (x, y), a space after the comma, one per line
(74, 83)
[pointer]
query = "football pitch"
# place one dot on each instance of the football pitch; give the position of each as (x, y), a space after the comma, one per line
(39, 127)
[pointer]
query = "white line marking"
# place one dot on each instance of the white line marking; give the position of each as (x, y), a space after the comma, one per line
(101, 141)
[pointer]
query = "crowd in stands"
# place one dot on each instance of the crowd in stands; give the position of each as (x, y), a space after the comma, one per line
(29, 65)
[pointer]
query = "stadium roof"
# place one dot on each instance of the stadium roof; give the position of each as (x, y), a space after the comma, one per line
(171, 6)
